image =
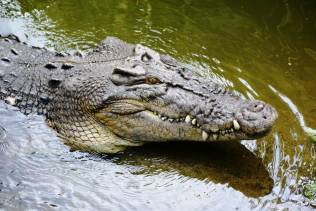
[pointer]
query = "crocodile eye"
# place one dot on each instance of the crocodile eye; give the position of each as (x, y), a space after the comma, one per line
(152, 80)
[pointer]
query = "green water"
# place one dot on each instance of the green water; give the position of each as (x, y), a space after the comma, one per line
(264, 49)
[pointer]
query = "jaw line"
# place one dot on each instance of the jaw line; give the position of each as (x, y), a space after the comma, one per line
(181, 122)
(165, 121)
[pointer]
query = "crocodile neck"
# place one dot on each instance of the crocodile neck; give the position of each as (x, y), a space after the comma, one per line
(38, 82)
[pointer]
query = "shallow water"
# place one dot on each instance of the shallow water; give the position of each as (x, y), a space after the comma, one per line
(266, 50)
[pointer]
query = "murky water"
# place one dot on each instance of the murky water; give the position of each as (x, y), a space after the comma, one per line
(265, 50)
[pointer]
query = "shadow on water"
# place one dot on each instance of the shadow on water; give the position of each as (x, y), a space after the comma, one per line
(222, 162)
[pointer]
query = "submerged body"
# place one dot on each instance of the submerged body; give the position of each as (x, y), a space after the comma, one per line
(122, 95)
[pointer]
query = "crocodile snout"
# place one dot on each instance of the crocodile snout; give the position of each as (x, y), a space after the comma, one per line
(256, 117)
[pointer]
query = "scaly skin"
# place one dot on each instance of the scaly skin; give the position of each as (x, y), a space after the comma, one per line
(122, 95)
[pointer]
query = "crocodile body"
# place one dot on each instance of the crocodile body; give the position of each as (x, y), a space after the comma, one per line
(121, 95)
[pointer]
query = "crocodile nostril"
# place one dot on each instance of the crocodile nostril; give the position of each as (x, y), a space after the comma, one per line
(256, 107)
(256, 117)
(259, 107)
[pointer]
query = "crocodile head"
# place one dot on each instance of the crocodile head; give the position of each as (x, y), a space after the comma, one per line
(125, 95)
(154, 98)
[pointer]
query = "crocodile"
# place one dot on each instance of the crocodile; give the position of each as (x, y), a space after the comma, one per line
(120, 95)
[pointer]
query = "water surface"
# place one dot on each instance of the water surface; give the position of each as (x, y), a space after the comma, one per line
(265, 50)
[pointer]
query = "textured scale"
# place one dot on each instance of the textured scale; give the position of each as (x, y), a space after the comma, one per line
(111, 98)
(38, 82)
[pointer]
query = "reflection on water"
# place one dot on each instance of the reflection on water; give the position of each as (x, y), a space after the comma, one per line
(265, 50)
(221, 163)
(311, 132)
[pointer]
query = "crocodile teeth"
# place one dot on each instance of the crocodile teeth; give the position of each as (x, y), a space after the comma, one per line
(170, 120)
(204, 135)
(187, 119)
(193, 122)
(10, 100)
(215, 137)
(164, 118)
(214, 129)
(236, 124)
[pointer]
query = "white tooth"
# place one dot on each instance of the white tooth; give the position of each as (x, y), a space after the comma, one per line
(204, 135)
(187, 119)
(193, 122)
(214, 128)
(215, 137)
(164, 118)
(10, 100)
(236, 124)
(159, 115)
(170, 120)
(231, 130)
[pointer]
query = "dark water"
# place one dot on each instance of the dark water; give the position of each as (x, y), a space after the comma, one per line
(264, 49)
